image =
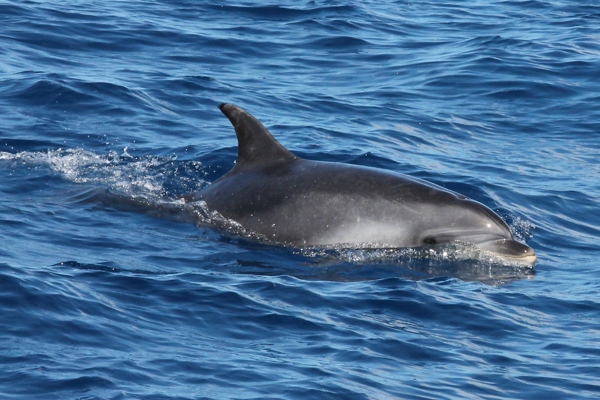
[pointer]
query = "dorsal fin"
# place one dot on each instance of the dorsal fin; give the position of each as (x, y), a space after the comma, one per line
(255, 142)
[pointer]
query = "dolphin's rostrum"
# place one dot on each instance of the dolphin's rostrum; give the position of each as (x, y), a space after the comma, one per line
(292, 201)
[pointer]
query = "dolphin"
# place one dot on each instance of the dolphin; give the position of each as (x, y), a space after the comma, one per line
(291, 201)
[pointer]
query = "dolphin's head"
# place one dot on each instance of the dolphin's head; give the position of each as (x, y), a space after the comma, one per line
(466, 220)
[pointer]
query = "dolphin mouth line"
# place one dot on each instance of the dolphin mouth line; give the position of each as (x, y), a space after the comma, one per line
(528, 260)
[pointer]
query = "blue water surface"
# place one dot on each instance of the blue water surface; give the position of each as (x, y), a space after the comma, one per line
(108, 116)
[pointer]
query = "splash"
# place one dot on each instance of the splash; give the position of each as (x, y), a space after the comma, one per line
(146, 177)
(373, 252)
(459, 260)
(521, 229)
(205, 216)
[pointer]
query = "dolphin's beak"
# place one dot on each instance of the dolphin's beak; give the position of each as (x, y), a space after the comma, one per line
(510, 250)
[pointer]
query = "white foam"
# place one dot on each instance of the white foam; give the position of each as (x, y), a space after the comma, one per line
(136, 177)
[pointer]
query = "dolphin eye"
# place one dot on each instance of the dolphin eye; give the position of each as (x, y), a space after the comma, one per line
(429, 240)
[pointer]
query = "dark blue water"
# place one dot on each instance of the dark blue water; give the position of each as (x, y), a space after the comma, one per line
(108, 115)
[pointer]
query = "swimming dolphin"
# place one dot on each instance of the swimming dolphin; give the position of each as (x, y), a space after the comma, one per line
(296, 202)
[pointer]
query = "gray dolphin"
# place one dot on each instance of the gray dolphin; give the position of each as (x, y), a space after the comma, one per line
(292, 201)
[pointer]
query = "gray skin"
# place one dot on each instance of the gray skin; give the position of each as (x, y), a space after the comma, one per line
(297, 202)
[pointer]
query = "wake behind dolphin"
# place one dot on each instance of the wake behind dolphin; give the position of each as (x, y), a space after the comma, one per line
(291, 201)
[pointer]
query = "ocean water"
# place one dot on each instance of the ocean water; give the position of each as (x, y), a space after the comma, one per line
(109, 289)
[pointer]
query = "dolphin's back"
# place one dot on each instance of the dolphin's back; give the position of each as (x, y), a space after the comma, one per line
(302, 202)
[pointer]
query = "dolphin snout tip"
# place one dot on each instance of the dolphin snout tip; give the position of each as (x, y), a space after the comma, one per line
(527, 256)
(530, 260)
(511, 250)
